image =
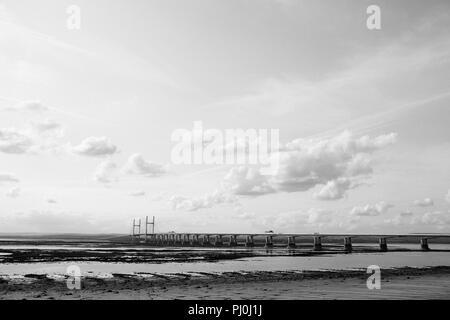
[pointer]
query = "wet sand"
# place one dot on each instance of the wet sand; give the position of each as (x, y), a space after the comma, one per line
(402, 283)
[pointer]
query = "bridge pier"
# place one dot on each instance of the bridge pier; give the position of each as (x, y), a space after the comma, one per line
(383, 244)
(348, 244)
(249, 241)
(185, 241)
(291, 242)
(424, 244)
(317, 243)
(269, 242)
(233, 241)
(218, 242)
(205, 240)
(178, 240)
(194, 241)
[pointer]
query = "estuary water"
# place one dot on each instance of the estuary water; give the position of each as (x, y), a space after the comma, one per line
(272, 262)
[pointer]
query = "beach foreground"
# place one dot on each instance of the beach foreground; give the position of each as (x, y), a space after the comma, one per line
(402, 283)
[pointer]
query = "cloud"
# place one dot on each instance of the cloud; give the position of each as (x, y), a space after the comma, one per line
(247, 181)
(427, 202)
(335, 164)
(46, 126)
(371, 210)
(30, 106)
(447, 197)
(137, 194)
(310, 220)
(8, 177)
(105, 172)
(310, 162)
(333, 190)
(319, 216)
(158, 197)
(95, 147)
(207, 201)
(38, 137)
(137, 165)
(435, 218)
(52, 201)
(15, 141)
(13, 192)
(406, 213)
(244, 215)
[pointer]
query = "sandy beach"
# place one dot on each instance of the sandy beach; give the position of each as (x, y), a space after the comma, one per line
(403, 283)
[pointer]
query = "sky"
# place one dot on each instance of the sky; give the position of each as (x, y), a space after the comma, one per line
(87, 115)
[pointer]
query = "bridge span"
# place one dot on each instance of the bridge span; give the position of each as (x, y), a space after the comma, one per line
(268, 240)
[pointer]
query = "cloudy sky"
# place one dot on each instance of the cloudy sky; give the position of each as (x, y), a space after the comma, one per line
(86, 116)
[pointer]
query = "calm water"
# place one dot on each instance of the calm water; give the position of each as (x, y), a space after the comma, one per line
(267, 263)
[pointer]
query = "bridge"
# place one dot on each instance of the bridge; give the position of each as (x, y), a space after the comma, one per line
(290, 240)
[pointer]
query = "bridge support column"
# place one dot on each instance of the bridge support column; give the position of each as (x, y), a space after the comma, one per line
(424, 244)
(205, 240)
(186, 240)
(233, 241)
(383, 244)
(178, 240)
(194, 241)
(291, 242)
(348, 244)
(249, 241)
(159, 240)
(269, 242)
(317, 243)
(218, 242)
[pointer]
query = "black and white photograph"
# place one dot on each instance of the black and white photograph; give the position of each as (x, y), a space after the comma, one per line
(211, 150)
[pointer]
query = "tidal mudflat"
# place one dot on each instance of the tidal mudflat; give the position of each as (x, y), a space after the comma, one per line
(38, 270)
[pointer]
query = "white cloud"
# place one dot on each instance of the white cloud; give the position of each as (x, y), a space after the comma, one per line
(435, 218)
(371, 210)
(319, 216)
(427, 202)
(206, 201)
(336, 164)
(46, 126)
(447, 197)
(8, 177)
(13, 192)
(406, 213)
(95, 147)
(105, 172)
(15, 141)
(136, 164)
(245, 215)
(137, 194)
(247, 181)
(38, 137)
(310, 162)
(333, 190)
(31, 106)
